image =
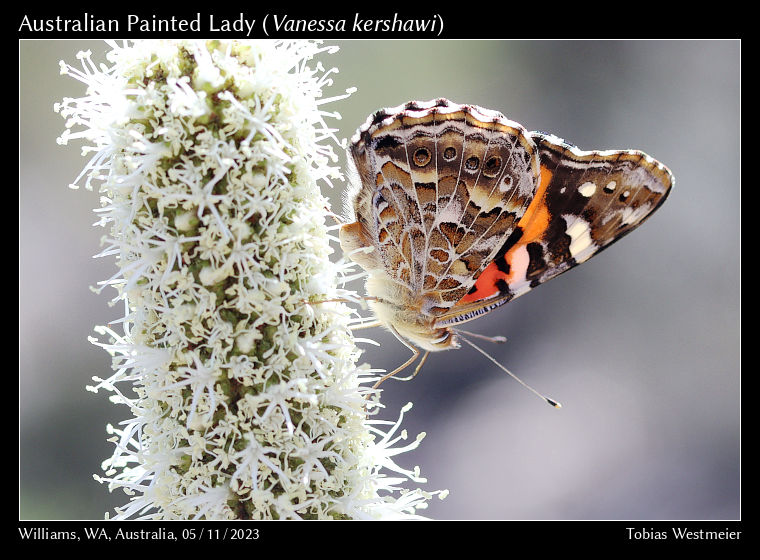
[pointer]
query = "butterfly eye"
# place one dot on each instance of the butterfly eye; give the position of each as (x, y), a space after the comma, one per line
(449, 153)
(422, 157)
(472, 163)
(492, 166)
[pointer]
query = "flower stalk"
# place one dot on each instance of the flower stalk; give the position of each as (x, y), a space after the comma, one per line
(245, 394)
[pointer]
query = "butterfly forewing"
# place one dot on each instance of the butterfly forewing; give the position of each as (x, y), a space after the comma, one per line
(585, 202)
(443, 187)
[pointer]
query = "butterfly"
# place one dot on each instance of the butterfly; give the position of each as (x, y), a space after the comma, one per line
(456, 210)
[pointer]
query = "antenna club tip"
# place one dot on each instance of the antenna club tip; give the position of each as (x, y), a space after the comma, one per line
(554, 403)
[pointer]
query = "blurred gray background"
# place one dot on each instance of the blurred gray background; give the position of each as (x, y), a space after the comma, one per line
(640, 344)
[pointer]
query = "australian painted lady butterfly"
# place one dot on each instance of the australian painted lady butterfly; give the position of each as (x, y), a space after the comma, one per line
(459, 210)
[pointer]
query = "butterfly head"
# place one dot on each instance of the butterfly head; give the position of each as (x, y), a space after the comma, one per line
(431, 339)
(422, 334)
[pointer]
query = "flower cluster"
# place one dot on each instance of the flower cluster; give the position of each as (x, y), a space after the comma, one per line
(246, 397)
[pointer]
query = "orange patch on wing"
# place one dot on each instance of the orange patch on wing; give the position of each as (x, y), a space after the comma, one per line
(533, 223)
(536, 218)
(485, 286)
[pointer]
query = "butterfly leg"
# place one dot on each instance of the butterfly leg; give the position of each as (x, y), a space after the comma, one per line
(406, 364)
(419, 366)
(416, 370)
(367, 325)
(337, 300)
(398, 369)
(337, 219)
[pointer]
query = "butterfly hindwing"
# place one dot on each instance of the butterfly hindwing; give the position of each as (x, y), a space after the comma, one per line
(585, 201)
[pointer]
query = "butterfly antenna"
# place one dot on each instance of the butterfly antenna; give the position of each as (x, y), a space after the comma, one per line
(552, 402)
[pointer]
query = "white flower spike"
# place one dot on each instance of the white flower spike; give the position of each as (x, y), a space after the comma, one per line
(249, 404)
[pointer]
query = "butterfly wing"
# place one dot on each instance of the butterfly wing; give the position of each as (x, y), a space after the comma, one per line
(443, 186)
(585, 202)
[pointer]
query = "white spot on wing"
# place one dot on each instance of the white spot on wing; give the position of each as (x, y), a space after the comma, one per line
(518, 283)
(587, 189)
(580, 237)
